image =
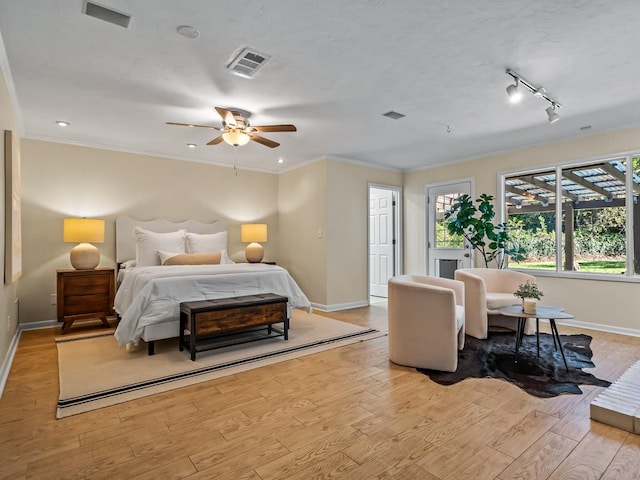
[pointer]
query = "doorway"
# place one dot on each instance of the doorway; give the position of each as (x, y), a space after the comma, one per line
(445, 253)
(384, 242)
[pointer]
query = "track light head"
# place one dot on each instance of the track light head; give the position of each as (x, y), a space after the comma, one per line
(537, 91)
(515, 95)
(551, 113)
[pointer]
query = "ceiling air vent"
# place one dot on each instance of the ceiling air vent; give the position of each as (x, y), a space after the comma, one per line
(247, 62)
(106, 14)
(393, 115)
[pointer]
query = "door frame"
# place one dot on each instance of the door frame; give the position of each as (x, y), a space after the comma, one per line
(427, 210)
(397, 230)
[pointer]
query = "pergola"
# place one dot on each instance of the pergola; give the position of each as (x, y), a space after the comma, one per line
(600, 185)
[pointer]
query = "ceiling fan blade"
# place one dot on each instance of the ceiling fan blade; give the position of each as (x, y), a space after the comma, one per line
(216, 141)
(227, 116)
(264, 141)
(274, 128)
(192, 125)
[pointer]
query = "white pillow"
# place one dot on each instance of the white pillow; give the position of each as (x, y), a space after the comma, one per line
(224, 259)
(148, 243)
(128, 264)
(206, 242)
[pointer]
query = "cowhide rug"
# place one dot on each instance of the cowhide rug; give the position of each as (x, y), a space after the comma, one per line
(545, 376)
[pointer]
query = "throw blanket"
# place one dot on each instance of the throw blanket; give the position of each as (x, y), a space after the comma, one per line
(150, 295)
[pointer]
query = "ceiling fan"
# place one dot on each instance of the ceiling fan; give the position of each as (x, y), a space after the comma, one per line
(237, 131)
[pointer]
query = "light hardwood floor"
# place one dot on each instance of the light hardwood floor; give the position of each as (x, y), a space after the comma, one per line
(346, 413)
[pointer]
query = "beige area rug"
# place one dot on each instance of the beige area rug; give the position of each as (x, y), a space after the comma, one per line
(96, 372)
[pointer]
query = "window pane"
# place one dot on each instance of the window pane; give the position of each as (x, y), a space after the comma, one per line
(443, 239)
(531, 201)
(594, 217)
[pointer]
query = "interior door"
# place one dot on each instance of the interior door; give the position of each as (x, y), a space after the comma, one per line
(445, 253)
(381, 240)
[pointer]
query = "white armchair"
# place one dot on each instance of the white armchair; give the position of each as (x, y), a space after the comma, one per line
(426, 321)
(486, 291)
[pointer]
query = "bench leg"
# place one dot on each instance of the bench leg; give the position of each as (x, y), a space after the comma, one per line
(192, 336)
(151, 348)
(286, 329)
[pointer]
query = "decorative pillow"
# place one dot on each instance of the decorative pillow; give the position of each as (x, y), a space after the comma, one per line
(148, 243)
(202, 258)
(206, 242)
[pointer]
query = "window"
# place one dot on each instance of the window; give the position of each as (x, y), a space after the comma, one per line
(443, 239)
(588, 222)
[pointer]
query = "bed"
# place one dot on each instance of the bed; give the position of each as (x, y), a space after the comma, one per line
(149, 294)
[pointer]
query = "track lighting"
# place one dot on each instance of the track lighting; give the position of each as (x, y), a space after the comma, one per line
(551, 112)
(515, 94)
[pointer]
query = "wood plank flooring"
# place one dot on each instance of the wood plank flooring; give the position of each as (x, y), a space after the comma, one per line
(347, 413)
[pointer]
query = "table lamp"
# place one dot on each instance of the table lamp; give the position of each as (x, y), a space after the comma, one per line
(254, 233)
(83, 231)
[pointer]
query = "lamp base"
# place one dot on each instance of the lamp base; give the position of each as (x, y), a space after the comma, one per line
(254, 253)
(84, 256)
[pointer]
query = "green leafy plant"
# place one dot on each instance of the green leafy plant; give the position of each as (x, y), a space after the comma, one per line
(528, 290)
(475, 224)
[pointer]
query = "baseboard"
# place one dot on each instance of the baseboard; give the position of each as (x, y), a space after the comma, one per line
(631, 332)
(5, 368)
(339, 306)
(38, 325)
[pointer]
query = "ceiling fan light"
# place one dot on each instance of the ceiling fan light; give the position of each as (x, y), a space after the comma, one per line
(236, 138)
(551, 113)
(515, 95)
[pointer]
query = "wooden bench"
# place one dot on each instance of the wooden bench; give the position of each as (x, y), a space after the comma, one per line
(210, 320)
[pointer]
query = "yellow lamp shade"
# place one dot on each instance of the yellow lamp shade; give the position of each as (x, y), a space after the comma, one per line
(253, 232)
(84, 256)
(78, 230)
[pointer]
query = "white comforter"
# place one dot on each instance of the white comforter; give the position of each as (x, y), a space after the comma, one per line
(149, 295)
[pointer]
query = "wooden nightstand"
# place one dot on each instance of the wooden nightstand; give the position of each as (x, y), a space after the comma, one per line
(85, 294)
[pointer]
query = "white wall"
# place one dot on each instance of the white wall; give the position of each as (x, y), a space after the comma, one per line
(302, 212)
(614, 304)
(347, 229)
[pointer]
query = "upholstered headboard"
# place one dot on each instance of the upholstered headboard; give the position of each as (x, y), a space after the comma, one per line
(126, 239)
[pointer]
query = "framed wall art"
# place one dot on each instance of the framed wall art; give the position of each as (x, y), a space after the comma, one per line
(13, 210)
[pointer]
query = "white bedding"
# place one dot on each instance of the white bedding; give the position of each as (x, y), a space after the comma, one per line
(152, 295)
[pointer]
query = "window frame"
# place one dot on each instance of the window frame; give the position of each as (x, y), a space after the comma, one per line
(629, 276)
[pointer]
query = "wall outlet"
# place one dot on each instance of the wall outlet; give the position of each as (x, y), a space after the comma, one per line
(53, 299)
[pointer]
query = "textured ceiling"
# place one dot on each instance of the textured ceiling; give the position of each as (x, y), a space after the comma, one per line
(336, 67)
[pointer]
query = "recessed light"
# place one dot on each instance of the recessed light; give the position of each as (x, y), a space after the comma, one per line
(281, 160)
(191, 145)
(62, 123)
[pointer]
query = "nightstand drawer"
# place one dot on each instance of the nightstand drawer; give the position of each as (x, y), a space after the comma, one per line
(86, 285)
(86, 304)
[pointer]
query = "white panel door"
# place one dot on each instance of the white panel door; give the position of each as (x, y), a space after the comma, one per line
(381, 247)
(445, 253)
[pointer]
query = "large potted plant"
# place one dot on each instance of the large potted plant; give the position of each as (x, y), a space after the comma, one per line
(475, 224)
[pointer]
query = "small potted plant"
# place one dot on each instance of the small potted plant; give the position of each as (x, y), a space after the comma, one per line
(530, 294)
